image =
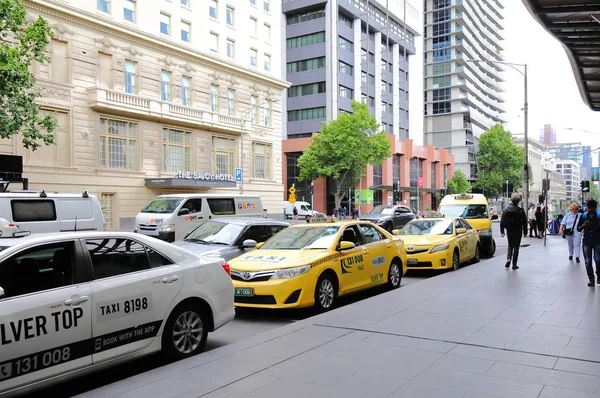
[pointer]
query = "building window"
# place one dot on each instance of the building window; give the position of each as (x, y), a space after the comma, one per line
(267, 61)
(253, 27)
(223, 153)
(103, 5)
(266, 5)
(441, 42)
(261, 160)
(186, 90)
(177, 150)
(305, 16)
(253, 57)
(441, 95)
(346, 92)
(118, 144)
(441, 29)
(267, 33)
(442, 55)
(130, 77)
(441, 107)
(345, 44)
(396, 161)
(306, 40)
(442, 68)
(441, 81)
(212, 9)
(214, 98)
(165, 23)
(129, 10)
(346, 20)
(214, 42)
(185, 3)
(414, 172)
(229, 11)
(230, 101)
(378, 174)
(253, 2)
(306, 89)
(165, 85)
(345, 68)
(307, 64)
(230, 48)
(185, 31)
(306, 114)
(267, 109)
(253, 108)
(433, 174)
(441, 16)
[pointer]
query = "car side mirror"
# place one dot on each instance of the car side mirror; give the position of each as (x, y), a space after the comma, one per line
(396, 232)
(259, 245)
(1, 292)
(345, 245)
(183, 212)
(494, 216)
(397, 213)
(249, 243)
(461, 231)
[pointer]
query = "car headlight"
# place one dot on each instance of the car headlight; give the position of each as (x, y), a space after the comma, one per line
(136, 227)
(381, 220)
(485, 232)
(289, 273)
(440, 248)
(166, 228)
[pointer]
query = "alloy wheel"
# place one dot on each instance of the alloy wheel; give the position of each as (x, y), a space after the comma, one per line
(394, 276)
(187, 332)
(455, 261)
(326, 293)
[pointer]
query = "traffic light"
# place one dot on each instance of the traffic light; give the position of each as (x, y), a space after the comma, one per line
(310, 189)
(397, 193)
(541, 199)
(585, 186)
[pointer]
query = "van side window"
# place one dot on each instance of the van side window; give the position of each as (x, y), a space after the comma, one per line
(117, 256)
(221, 206)
(193, 205)
(25, 210)
(37, 269)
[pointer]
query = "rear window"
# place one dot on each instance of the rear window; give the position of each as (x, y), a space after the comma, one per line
(27, 210)
(221, 206)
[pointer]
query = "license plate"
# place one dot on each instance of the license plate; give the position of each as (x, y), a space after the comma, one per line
(412, 261)
(244, 291)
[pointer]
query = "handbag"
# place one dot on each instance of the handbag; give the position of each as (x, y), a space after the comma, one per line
(569, 231)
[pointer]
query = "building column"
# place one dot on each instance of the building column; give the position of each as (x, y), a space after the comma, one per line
(377, 76)
(396, 88)
(332, 60)
(356, 25)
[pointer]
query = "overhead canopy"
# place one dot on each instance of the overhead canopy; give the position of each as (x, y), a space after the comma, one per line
(576, 24)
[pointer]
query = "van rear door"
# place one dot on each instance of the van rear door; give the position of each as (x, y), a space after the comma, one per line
(77, 214)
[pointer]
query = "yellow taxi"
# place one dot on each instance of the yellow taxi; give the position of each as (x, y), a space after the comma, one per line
(313, 264)
(440, 243)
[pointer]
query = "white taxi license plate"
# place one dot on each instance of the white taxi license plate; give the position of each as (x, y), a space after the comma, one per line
(244, 291)
(412, 261)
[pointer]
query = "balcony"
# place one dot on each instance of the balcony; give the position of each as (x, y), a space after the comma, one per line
(119, 103)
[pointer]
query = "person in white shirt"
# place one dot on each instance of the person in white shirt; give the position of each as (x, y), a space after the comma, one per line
(531, 221)
(568, 229)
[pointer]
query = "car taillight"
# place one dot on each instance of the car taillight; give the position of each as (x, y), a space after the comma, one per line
(226, 268)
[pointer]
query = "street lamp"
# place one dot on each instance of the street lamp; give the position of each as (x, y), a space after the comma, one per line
(525, 109)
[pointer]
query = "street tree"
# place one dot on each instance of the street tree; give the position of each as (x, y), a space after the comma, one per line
(498, 160)
(22, 44)
(459, 183)
(343, 149)
(594, 191)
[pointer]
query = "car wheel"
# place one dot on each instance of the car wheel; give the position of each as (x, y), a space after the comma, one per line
(492, 248)
(455, 261)
(389, 227)
(325, 293)
(394, 275)
(185, 332)
(477, 256)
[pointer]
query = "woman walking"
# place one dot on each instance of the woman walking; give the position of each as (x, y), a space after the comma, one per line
(539, 221)
(568, 230)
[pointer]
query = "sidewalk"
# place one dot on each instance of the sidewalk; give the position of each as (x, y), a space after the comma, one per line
(482, 331)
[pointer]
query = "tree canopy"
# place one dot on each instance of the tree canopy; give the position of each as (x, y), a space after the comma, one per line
(22, 43)
(343, 149)
(498, 160)
(459, 183)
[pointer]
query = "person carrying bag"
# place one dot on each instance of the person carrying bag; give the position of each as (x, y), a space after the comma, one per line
(568, 230)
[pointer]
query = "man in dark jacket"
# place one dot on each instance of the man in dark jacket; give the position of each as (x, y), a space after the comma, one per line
(514, 221)
(590, 225)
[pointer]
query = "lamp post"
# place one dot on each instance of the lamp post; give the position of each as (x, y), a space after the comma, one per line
(526, 111)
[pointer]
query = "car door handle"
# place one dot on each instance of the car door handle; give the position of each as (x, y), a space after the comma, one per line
(76, 300)
(170, 279)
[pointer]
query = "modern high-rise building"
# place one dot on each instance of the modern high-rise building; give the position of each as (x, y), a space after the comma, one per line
(571, 174)
(582, 154)
(462, 99)
(151, 99)
(548, 135)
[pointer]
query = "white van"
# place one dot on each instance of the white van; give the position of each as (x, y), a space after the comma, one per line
(304, 209)
(172, 217)
(41, 212)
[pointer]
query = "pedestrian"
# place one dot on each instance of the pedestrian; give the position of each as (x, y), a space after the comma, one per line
(539, 221)
(343, 213)
(514, 221)
(531, 221)
(568, 230)
(590, 226)
(295, 213)
(335, 213)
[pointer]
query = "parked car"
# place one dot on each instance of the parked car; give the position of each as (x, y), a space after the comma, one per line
(389, 217)
(71, 302)
(230, 237)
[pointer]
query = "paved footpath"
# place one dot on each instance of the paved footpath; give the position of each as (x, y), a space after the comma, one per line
(482, 331)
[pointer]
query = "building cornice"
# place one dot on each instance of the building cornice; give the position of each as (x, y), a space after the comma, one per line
(71, 14)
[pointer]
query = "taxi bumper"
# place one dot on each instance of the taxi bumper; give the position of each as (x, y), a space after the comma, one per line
(437, 260)
(296, 292)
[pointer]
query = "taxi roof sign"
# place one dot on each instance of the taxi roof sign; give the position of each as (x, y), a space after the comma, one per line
(463, 196)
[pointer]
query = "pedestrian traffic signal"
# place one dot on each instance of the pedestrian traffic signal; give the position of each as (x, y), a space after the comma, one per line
(310, 189)
(585, 186)
(541, 199)
(397, 194)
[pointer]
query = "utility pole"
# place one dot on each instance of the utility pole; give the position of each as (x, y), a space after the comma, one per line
(546, 187)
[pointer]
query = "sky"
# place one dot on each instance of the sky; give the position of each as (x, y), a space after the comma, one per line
(553, 95)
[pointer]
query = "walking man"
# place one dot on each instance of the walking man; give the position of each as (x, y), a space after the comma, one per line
(514, 221)
(590, 226)
(531, 221)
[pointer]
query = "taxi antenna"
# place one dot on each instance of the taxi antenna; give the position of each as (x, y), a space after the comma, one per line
(75, 225)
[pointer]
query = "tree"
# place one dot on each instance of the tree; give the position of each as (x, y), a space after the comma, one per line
(343, 149)
(594, 191)
(459, 183)
(498, 160)
(22, 43)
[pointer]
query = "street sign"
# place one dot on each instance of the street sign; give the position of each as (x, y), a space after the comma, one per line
(238, 174)
(420, 182)
(292, 195)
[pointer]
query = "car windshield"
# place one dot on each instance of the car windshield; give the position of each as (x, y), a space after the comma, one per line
(215, 233)
(321, 237)
(465, 211)
(382, 210)
(428, 227)
(162, 205)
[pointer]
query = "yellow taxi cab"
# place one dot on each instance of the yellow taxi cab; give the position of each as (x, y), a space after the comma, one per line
(313, 264)
(474, 208)
(440, 243)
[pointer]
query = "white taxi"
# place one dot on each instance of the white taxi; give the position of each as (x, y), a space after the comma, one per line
(77, 301)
